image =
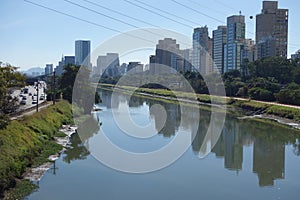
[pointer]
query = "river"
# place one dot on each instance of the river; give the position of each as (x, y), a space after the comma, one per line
(251, 160)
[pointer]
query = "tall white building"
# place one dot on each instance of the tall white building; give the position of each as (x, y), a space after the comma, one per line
(108, 65)
(202, 50)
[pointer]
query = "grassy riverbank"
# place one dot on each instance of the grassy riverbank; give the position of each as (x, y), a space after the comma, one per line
(253, 107)
(28, 142)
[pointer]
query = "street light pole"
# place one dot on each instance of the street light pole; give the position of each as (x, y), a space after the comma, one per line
(37, 97)
(53, 97)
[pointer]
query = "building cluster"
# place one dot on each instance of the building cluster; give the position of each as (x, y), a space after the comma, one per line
(228, 48)
(82, 57)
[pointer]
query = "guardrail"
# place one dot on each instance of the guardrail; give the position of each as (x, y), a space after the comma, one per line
(20, 112)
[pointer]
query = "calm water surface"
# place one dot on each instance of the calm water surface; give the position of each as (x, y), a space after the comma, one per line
(251, 160)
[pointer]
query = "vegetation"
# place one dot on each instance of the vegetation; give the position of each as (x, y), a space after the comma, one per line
(9, 79)
(21, 142)
(22, 189)
(268, 79)
(75, 87)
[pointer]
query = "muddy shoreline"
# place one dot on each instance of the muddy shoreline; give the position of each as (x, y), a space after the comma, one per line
(36, 174)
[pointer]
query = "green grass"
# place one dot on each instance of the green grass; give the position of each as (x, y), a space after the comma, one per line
(285, 112)
(29, 141)
(247, 105)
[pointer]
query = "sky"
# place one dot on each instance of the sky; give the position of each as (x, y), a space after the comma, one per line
(32, 36)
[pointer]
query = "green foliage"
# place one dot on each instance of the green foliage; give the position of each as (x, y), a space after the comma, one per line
(279, 68)
(22, 189)
(290, 95)
(22, 141)
(75, 84)
(261, 94)
(9, 78)
(286, 112)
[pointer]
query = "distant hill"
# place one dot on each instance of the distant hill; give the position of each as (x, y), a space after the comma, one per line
(35, 71)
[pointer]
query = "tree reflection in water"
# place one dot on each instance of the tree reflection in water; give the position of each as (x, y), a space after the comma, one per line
(78, 151)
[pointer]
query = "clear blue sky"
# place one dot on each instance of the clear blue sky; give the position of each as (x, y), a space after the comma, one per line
(32, 36)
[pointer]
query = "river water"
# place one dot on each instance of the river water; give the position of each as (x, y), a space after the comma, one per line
(251, 160)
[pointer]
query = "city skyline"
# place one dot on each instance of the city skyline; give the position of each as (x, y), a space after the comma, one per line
(57, 36)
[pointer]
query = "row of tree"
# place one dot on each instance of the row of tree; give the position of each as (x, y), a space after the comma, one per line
(268, 79)
(10, 79)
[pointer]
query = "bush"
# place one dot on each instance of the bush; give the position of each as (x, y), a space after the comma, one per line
(261, 94)
(290, 95)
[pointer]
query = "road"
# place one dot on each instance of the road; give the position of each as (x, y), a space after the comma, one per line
(31, 96)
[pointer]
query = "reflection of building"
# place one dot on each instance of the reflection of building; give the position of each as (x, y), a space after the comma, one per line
(268, 161)
(135, 102)
(108, 101)
(230, 146)
(233, 149)
(272, 30)
(173, 118)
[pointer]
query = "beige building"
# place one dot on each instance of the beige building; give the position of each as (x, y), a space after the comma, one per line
(272, 30)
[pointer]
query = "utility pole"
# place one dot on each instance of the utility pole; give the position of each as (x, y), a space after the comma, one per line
(53, 98)
(37, 97)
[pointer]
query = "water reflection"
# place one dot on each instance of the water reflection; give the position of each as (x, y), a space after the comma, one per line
(268, 140)
(78, 150)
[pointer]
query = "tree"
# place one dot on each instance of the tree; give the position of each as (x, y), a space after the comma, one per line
(9, 79)
(261, 94)
(76, 79)
(289, 95)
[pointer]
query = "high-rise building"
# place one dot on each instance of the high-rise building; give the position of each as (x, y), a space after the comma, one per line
(65, 60)
(202, 50)
(69, 60)
(167, 53)
(272, 30)
(48, 69)
(296, 55)
(235, 42)
(249, 50)
(82, 53)
(135, 67)
(187, 63)
(219, 42)
(152, 65)
(108, 65)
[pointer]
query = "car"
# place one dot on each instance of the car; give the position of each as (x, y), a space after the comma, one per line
(34, 101)
(24, 98)
(30, 94)
(25, 90)
(42, 97)
(23, 102)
